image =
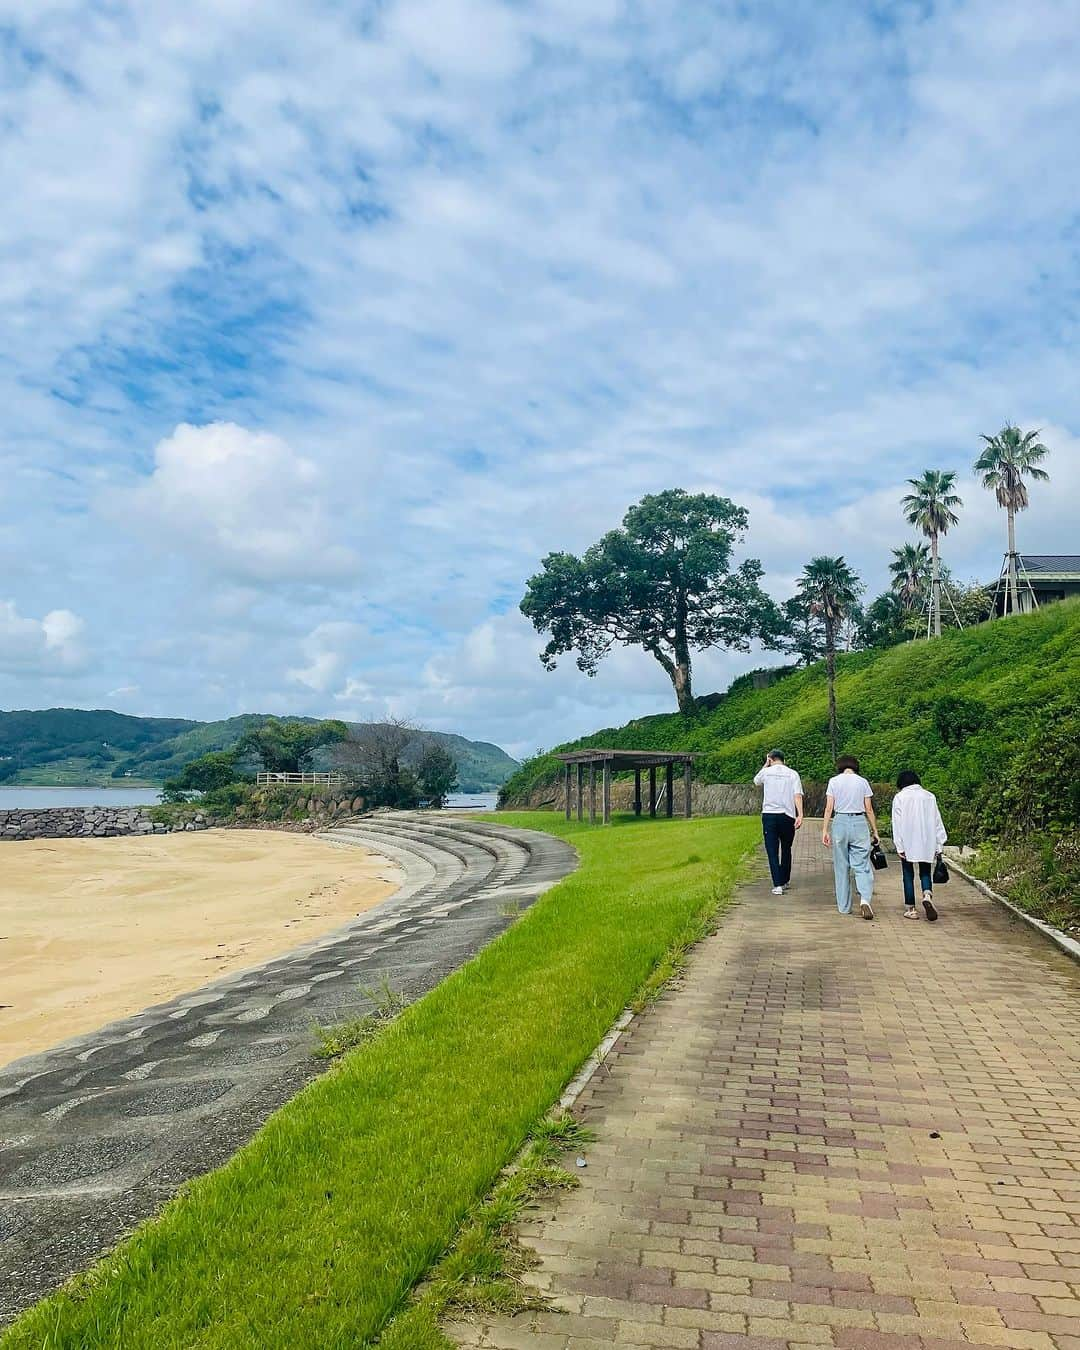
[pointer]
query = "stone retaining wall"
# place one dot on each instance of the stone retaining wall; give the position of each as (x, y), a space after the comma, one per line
(708, 799)
(70, 822)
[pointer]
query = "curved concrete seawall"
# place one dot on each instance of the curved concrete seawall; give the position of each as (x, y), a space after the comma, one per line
(98, 1133)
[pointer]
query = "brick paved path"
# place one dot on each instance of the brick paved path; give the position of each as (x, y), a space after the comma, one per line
(835, 1133)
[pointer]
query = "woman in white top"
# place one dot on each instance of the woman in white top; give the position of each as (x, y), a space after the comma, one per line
(918, 833)
(849, 807)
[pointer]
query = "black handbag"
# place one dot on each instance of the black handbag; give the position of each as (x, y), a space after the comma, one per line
(877, 855)
(941, 872)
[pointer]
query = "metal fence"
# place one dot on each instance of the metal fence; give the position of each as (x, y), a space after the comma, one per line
(264, 778)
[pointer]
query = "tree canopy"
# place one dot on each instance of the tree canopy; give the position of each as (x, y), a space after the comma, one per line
(665, 581)
(1006, 459)
(289, 747)
(213, 770)
(437, 773)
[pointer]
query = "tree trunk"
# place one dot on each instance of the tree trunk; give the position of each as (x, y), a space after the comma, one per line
(681, 652)
(1014, 585)
(680, 678)
(830, 669)
(935, 584)
(678, 672)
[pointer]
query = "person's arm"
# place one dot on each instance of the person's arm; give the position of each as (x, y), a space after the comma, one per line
(868, 807)
(759, 777)
(798, 802)
(826, 837)
(898, 825)
(942, 837)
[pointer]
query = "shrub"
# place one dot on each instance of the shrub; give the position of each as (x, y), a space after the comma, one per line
(956, 717)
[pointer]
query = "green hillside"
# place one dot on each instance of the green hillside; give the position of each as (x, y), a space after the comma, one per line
(70, 747)
(959, 710)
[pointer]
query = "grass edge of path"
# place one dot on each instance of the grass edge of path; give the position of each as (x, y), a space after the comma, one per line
(482, 1270)
(143, 1293)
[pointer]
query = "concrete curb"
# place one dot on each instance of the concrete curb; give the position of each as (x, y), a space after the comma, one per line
(587, 1072)
(1061, 940)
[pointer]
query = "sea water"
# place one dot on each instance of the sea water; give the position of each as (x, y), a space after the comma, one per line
(22, 798)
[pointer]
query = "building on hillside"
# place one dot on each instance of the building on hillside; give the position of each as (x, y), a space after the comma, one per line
(1043, 578)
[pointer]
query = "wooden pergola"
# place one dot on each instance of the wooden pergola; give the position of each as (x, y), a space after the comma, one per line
(613, 761)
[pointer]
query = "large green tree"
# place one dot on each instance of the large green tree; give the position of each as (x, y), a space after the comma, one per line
(215, 769)
(437, 773)
(1008, 457)
(829, 589)
(883, 621)
(665, 581)
(289, 747)
(929, 507)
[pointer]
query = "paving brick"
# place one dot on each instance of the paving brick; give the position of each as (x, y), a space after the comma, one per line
(764, 1176)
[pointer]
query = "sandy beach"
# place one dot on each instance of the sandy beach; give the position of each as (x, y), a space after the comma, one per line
(96, 929)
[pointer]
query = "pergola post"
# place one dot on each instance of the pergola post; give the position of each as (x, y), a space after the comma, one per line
(581, 792)
(592, 792)
(568, 792)
(688, 786)
(637, 792)
(607, 791)
(669, 803)
(652, 791)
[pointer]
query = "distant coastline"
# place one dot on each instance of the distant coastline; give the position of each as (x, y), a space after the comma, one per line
(12, 798)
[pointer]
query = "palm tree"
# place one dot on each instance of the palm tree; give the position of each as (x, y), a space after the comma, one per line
(1008, 456)
(830, 589)
(910, 570)
(930, 509)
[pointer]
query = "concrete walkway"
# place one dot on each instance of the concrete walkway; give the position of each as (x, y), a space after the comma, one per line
(834, 1133)
(96, 1134)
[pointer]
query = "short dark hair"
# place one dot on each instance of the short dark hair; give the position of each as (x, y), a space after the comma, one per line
(907, 778)
(847, 762)
(777, 754)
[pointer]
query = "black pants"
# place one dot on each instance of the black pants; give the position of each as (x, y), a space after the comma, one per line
(907, 872)
(779, 832)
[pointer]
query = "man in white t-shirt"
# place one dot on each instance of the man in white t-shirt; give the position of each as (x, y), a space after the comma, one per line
(781, 815)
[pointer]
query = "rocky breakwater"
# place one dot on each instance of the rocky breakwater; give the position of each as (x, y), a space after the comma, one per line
(71, 822)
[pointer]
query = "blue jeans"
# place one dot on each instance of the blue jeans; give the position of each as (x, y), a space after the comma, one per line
(778, 830)
(907, 872)
(851, 853)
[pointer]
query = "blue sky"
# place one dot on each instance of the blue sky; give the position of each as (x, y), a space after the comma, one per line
(324, 323)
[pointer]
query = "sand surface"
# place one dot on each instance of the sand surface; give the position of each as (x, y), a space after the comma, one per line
(96, 929)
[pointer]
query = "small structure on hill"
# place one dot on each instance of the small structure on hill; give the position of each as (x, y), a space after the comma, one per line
(615, 761)
(1040, 579)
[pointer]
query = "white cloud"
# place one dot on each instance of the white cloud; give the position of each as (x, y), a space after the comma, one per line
(406, 299)
(326, 650)
(241, 504)
(31, 647)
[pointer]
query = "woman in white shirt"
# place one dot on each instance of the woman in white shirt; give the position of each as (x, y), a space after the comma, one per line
(849, 807)
(918, 833)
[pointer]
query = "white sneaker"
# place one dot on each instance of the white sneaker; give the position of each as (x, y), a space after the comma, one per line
(786, 888)
(778, 890)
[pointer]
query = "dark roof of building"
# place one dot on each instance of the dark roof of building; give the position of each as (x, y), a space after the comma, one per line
(628, 759)
(1051, 562)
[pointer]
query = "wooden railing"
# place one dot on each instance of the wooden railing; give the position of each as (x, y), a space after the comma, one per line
(265, 778)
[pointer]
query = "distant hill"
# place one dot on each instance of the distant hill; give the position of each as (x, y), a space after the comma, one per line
(70, 747)
(960, 710)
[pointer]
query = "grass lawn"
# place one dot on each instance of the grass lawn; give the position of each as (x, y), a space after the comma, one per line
(314, 1234)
